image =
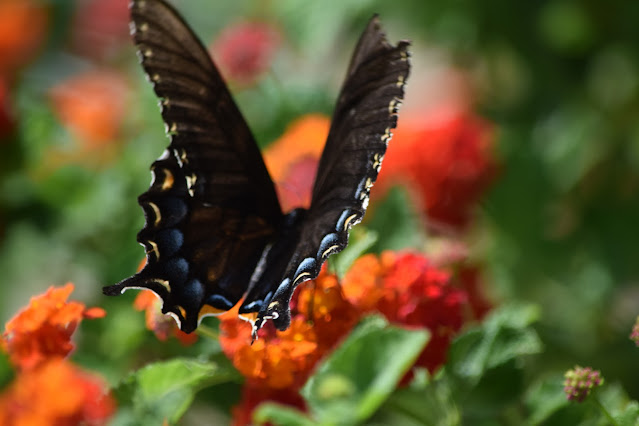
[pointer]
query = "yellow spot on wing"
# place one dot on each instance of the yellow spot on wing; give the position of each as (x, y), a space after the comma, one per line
(168, 180)
(209, 310)
(156, 212)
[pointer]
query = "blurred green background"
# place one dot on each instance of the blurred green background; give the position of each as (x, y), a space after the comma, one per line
(558, 78)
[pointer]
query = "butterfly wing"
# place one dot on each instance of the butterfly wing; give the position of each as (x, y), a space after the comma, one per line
(364, 116)
(212, 207)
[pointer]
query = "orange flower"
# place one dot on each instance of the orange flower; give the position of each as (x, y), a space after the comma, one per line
(409, 290)
(43, 330)
(56, 393)
(92, 106)
(446, 159)
(279, 360)
(162, 325)
(23, 26)
(292, 159)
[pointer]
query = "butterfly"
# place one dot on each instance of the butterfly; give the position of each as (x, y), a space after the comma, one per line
(215, 234)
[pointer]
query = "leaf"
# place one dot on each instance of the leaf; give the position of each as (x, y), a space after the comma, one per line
(504, 336)
(356, 379)
(431, 404)
(280, 415)
(546, 398)
(360, 240)
(164, 390)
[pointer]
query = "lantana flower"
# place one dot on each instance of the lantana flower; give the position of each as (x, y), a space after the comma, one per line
(92, 106)
(293, 158)
(162, 325)
(321, 316)
(447, 161)
(244, 50)
(23, 27)
(580, 381)
(43, 330)
(56, 393)
(409, 291)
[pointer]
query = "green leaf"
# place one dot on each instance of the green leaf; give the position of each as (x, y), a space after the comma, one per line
(164, 390)
(281, 415)
(360, 240)
(546, 398)
(430, 404)
(356, 379)
(629, 416)
(504, 336)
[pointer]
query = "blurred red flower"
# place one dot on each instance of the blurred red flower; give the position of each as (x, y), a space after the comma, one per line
(43, 330)
(162, 325)
(92, 106)
(410, 291)
(101, 27)
(23, 26)
(56, 393)
(7, 120)
(244, 50)
(293, 158)
(446, 159)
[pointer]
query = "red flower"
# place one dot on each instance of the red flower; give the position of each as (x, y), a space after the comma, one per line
(446, 160)
(408, 290)
(101, 27)
(92, 106)
(23, 26)
(43, 330)
(162, 325)
(56, 393)
(244, 50)
(293, 158)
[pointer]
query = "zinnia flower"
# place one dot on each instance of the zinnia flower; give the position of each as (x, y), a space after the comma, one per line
(43, 330)
(56, 393)
(244, 50)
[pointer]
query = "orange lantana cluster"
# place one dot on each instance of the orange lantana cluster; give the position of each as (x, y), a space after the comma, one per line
(48, 389)
(43, 330)
(162, 325)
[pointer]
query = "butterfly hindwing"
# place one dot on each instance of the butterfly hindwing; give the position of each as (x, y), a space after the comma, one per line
(365, 114)
(212, 207)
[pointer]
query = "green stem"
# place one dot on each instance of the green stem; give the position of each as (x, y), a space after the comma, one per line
(208, 332)
(611, 419)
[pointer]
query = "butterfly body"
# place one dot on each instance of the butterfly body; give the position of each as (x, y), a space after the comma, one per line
(215, 235)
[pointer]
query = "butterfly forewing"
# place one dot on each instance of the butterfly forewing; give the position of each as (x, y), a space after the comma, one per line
(212, 207)
(365, 114)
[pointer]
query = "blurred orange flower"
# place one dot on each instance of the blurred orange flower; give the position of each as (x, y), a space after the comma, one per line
(43, 330)
(56, 393)
(162, 325)
(446, 159)
(23, 26)
(293, 158)
(410, 291)
(244, 50)
(92, 106)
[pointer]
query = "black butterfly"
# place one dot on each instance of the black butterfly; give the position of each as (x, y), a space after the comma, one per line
(214, 231)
